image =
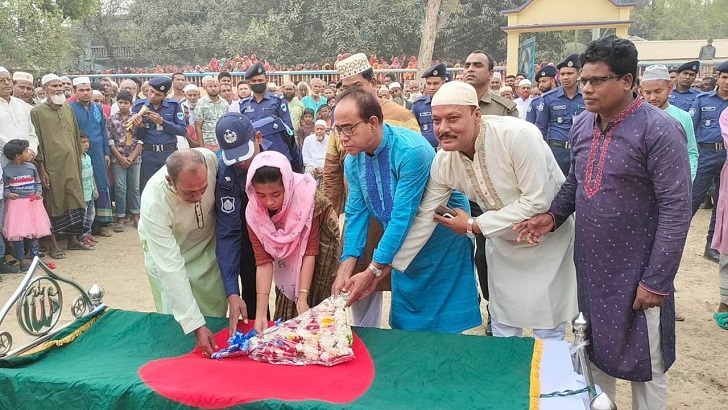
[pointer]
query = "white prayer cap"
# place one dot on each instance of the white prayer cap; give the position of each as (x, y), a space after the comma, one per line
(4, 70)
(394, 85)
(656, 72)
(97, 92)
(272, 86)
(505, 89)
(524, 82)
(49, 77)
(455, 93)
(21, 76)
(64, 78)
(81, 80)
(496, 75)
(319, 122)
(352, 65)
(190, 87)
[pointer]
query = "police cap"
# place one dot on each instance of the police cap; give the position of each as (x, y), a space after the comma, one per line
(571, 61)
(722, 67)
(439, 70)
(255, 69)
(548, 71)
(690, 65)
(161, 83)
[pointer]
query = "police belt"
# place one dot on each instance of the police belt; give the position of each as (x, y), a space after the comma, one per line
(559, 144)
(711, 145)
(160, 147)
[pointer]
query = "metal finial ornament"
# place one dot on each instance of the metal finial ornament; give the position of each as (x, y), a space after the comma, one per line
(581, 365)
(96, 293)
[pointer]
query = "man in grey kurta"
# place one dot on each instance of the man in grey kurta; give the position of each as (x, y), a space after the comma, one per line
(629, 187)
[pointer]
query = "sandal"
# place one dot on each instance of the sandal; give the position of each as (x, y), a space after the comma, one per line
(57, 254)
(90, 238)
(679, 317)
(87, 241)
(104, 232)
(721, 318)
(80, 247)
(119, 227)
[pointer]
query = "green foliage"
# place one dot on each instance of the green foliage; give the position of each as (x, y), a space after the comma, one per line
(680, 19)
(34, 36)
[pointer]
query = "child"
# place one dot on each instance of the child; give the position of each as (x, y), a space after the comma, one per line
(126, 162)
(25, 216)
(324, 113)
(306, 127)
(90, 193)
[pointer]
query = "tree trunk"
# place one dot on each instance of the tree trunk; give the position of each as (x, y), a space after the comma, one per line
(429, 35)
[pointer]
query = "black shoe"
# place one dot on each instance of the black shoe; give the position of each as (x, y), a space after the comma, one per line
(6, 268)
(711, 254)
(708, 204)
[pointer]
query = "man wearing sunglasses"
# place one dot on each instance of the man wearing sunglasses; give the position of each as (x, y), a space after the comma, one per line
(629, 189)
(177, 230)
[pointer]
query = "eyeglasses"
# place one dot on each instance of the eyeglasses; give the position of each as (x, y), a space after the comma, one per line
(597, 81)
(347, 130)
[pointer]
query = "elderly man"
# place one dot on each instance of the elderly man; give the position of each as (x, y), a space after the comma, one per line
(38, 96)
(355, 71)
(188, 104)
(159, 127)
(67, 86)
(91, 121)
(504, 165)
(177, 230)
(434, 77)
(315, 100)
(438, 292)
(126, 85)
(208, 110)
(59, 164)
(23, 87)
(495, 82)
(294, 104)
(524, 97)
(630, 174)
(684, 95)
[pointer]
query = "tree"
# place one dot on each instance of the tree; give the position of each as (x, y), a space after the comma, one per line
(108, 24)
(436, 15)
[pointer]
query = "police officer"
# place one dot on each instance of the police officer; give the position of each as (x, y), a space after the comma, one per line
(477, 72)
(239, 143)
(705, 112)
(262, 104)
(557, 110)
(434, 79)
(159, 127)
(683, 95)
(545, 81)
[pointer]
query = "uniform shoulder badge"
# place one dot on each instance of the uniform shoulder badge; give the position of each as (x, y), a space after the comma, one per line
(227, 204)
(510, 105)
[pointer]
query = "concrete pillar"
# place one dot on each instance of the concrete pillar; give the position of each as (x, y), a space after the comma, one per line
(512, 55)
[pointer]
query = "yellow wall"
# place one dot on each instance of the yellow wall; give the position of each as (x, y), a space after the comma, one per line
(558, 12)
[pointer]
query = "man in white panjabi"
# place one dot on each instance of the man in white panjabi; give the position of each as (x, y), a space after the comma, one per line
(503, 164)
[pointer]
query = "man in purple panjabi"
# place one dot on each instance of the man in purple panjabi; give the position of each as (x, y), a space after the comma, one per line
(630, 190)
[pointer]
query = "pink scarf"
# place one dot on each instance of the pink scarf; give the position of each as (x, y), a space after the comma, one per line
(284, 235)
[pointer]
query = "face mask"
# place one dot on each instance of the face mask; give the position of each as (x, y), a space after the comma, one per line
(258, 88)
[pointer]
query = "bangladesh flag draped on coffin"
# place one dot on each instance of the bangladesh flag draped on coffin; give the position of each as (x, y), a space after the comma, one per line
(131, 360)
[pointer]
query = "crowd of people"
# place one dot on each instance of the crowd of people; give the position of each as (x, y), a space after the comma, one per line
(573, 193)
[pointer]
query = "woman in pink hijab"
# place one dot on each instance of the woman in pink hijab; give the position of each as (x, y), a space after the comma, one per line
(720, 238)
(295, 235)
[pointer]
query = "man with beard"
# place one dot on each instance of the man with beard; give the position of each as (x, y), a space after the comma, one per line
(355, 71)
(262, 104)
(23, 87)
(294, 104)
(708, 84)
(159, 127)
(558, 109)
(495, 83)
(545, 82)
(91, 121)
(14, 117)
(524, 97)
(59, 164)
(129, 86)
(192, 96)
(683, 96)
(39, 96)
(208, 110)
(67, 86)
(434, 79)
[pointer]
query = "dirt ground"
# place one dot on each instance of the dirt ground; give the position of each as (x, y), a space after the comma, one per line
(698, 380)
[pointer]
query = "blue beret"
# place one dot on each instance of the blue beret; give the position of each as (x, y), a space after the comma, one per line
(690, 65)
(439, 70)
(571, 61)
(255, 69)
(162, 83)
(548, 71)
(722, 67)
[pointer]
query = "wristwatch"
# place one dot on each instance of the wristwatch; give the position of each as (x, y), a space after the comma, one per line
(376, 271)
(469, 231)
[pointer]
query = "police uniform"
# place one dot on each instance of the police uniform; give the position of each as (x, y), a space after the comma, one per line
(270, 105)
(685, 100)
(705, 112)
(547, 72)
(555, 114)
(159, 141)
(234, 250)
(421, 107)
